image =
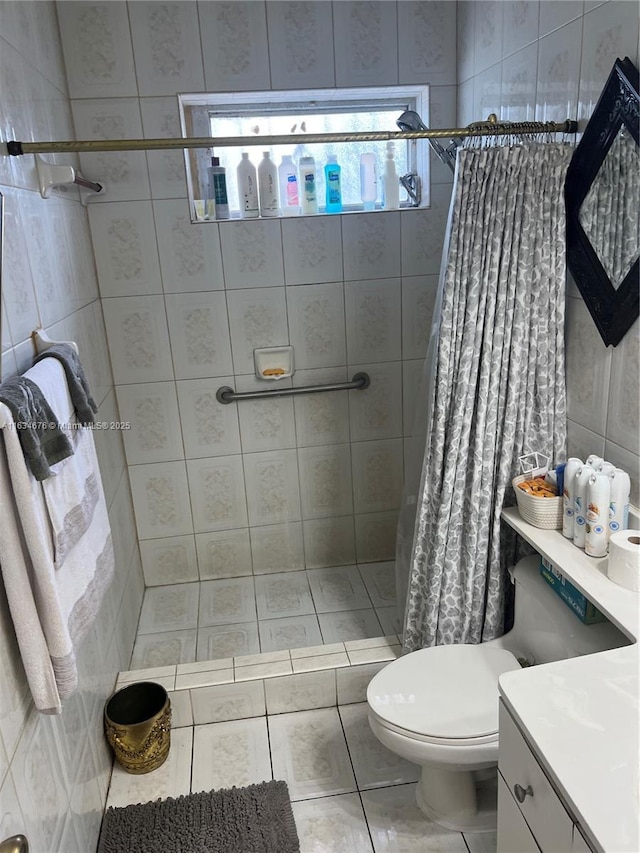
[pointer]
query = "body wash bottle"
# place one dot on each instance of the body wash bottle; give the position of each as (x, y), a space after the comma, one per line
(289, 196)
(247, 188)
(268, 186)
(308, 181)
(333, 200)
(368, 181)
(218, 188)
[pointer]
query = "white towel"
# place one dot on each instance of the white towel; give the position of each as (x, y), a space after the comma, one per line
(52, 608)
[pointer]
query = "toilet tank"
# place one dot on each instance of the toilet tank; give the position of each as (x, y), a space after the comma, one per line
(545, 628)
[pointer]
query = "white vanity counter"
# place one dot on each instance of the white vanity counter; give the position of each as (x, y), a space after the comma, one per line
(582, 715)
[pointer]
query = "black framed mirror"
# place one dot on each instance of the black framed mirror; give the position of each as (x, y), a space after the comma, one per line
(602, 193)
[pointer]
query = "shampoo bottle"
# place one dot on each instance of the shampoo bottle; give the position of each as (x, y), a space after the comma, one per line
(333, 200)
(247, 188)
(218, 188)
(289, 195)
(268, 186)
(308, 181)
(368, 181)
(391, 184)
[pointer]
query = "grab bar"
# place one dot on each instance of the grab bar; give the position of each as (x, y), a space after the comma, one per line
(359, 382)
(15, 844)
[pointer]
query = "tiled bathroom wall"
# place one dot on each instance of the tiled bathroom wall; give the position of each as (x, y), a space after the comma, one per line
(544, 61)
(54, 771)
(262, 486)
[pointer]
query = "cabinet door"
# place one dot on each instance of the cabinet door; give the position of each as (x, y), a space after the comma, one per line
(540, 805)
(514, 836)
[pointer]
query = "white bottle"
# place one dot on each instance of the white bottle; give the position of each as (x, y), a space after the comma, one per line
(580, 497)
(368, 181)
(390, 182)
(597, 515)
(568, 495)
(247, 188)
(289, 192)
(619, 502)
(309, 185)
(268, 186)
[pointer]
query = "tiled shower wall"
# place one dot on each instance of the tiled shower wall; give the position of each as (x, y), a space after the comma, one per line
(546, 61)
(259, 486)
(54, 771)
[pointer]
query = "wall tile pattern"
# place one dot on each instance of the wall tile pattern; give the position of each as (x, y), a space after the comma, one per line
(261, 487)
(549, 61)
(49, 280)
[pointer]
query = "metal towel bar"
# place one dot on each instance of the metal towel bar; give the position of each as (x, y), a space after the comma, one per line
(226, 394)
(15, 844)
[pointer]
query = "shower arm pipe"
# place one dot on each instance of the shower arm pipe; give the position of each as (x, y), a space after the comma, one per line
(359, 382)
(16, 149)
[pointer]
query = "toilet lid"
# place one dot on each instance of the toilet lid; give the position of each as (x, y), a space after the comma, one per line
(442, 692)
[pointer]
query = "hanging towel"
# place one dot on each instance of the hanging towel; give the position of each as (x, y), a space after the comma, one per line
(52, 608)
(42, 440)
(83, 402)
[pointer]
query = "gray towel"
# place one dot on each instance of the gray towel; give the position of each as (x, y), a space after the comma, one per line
(81, 398)
(42, 440)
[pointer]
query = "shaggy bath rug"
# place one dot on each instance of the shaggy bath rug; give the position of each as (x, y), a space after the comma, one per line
(255, 819)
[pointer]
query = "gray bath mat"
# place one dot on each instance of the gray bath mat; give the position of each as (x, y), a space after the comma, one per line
(256, 819)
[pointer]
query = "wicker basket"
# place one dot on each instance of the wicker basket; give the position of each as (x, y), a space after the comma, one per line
(540, 512)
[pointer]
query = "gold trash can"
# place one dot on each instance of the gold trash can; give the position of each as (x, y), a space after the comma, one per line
(137, 723)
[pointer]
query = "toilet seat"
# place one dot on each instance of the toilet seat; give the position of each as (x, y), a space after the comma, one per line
(446, 695)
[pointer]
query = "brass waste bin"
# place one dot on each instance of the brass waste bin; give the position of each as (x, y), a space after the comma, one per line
(137, 723)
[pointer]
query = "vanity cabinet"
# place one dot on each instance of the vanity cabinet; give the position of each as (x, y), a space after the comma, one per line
(531, 816)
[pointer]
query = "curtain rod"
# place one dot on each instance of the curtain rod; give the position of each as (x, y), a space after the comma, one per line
(490, 128)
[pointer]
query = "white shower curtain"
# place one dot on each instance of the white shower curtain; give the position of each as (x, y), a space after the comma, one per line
(496, 387)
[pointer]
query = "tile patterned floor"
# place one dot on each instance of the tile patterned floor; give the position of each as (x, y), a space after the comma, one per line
(349, 793)
(215, 619)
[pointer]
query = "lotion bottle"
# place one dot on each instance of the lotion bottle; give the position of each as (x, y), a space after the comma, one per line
(391, 184)
(333, 199)
(289, 194)
(309, 188)
(268, 186)
(218, 188)
(247, 188)
(368, 181)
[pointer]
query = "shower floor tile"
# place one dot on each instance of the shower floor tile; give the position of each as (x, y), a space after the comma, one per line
(164, 649)
(349, 625)
(292, 632)
(230, 617)
(228, 641)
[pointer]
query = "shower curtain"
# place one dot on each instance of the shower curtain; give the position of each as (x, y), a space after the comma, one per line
(494, 385)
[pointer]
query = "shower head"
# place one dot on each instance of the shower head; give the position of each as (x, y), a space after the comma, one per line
(411, 121)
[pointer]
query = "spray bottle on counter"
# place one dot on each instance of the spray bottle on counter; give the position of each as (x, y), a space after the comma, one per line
(597, 514)
(580, 509)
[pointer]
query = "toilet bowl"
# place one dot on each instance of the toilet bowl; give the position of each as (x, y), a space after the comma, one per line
(438, 707)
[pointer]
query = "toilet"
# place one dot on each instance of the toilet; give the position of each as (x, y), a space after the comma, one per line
(438, 707)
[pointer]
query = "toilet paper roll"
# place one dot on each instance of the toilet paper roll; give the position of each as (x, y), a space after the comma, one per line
(624, 559)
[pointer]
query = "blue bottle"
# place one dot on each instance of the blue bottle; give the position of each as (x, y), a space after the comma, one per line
(333, 198)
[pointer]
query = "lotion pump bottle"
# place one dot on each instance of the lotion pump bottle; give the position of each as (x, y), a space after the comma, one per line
(368, 181)
(309, 186)
(391, 184)
(333, 194)
(247, 188)
(268, 186)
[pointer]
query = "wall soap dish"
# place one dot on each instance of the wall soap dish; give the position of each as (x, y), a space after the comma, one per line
(273, 362)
